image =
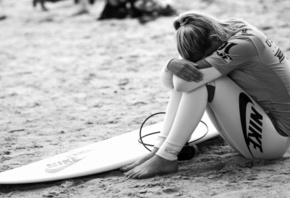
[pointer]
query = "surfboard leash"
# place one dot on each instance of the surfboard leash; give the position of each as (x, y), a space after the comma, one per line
(152, 133)
(187, 152)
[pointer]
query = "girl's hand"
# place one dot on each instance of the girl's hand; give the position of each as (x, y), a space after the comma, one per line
(185, 70)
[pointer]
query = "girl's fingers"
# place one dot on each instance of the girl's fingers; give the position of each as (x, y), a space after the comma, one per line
(191, 75)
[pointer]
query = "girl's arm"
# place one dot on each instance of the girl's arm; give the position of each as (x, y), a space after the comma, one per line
(182, 83)
(182, 68)
(209, 74)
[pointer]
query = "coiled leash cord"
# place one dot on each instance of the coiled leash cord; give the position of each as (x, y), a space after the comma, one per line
(152, 133)
(187, 152)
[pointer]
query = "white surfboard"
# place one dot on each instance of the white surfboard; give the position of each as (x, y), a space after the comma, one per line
(98, 157)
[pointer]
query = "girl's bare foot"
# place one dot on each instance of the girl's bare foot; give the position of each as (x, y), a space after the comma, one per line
(140, 161)
(152, 167)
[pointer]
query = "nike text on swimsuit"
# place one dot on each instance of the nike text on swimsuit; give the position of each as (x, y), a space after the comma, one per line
(252, 130)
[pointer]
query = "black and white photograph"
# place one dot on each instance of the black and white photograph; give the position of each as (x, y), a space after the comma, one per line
(144, 99)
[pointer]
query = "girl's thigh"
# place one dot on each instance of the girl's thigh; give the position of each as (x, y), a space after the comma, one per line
(243, 123)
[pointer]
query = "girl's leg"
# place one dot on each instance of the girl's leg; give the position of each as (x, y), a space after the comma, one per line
(219, 128)
(244, 124)
(171, 110)
(170, 115)
(190, 110)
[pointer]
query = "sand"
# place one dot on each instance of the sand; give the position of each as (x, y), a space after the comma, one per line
(66, 82)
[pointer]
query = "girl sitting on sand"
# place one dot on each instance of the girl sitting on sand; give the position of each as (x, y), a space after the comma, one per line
(234, 72)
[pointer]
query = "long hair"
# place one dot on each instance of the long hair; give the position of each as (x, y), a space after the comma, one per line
(194, 30)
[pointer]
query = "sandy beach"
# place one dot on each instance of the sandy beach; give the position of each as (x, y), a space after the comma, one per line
(69, 81)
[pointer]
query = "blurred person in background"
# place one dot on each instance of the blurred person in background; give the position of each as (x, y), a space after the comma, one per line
(143, 10)
(83, 6)
(2, 11)
(82, 9)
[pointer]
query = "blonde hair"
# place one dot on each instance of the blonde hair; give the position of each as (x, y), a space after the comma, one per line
(194, 30)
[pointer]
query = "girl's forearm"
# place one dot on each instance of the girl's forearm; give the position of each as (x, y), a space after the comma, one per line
(209, 74)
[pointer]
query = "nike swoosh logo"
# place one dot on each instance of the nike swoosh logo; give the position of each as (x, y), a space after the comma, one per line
(244, 100)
